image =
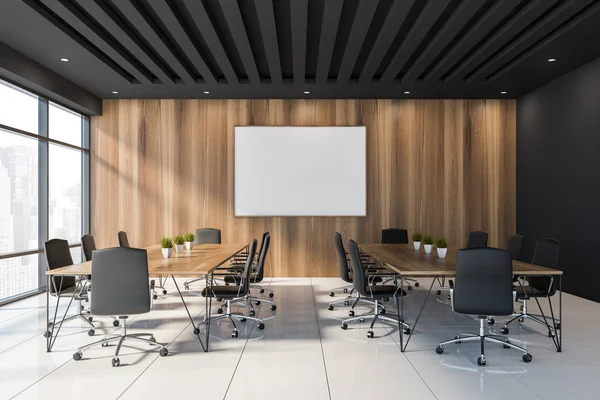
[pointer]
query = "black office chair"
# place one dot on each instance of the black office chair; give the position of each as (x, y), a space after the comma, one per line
(515, 246)
(231, 293)
(397, 236)
(204, 236)
(258, 271)
(123, 240)
(546, 254)
(120, 288)
(483, 287)
(58, 255)
(377, 293)
(477, 239)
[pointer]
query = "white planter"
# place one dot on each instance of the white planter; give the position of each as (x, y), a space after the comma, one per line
(428, 248)
(442, 252)
(179, 248)
(417, 245)
(189, 245)
(167, 252)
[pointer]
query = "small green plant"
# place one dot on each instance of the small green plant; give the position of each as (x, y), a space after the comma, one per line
(441, 243)
(189, 237)
(178, 239)
(166, 242)
(427, 239)
(417, 237)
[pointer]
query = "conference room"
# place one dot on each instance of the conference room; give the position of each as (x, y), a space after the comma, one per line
(300, 199)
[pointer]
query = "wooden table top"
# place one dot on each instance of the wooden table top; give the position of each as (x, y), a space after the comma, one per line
(403, 259)
(199, 261)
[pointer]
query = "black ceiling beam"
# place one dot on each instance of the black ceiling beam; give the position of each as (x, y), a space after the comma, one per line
(132, 13)
(299, 25)
(535, 33)
(101, 13)
(170, 20)
(480, 29)
(425, 21)
(393, 22)
(207, 30)
(360, 27)
(233, 16)
(461, 16)
(268, 31)
(531, 51)
(530, 12)
(329, 26)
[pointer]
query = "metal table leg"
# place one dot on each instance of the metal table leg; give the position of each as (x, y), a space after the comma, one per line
(403, 346)
(196, 330)
(50, 335)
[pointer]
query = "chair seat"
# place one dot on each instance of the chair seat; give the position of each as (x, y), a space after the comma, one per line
(71, 290)
(526, 292)
(236, 278)
(225, 292)
(384, 291)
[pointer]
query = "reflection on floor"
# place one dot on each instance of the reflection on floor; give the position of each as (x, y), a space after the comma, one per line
(301, 354)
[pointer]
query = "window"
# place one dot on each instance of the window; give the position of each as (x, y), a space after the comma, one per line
(44, 187)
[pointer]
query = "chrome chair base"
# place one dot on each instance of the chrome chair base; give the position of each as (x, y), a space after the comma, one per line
(377, 314)
(233, 316)
(523, 315)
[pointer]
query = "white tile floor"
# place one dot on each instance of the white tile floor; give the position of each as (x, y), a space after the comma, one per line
(301, 354)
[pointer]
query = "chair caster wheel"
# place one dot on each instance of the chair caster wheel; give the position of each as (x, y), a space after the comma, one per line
(116, 362)
(273, 307)
(382, 311)
(154, 297)
(77, 356)
(104, 344)
(345, 290)
(91, 332)
(438, 292)
(439, 349)
(344, 326)
(370, 334)
(186, 287)
(234, 334)
(82, 308)
(521, 319)
(220, 311)
(491, 321)
(504, 331)
(409, 288)
(257, 303)
(271, 295)
(219, 299)
(346, 303)
(481, 361)
(330, 308)
(416, 284)
(331, 294)
(47, 334)
(261, 326)
(116, 323)
(527, 358)
(243, 319)
(406, 331)
(551, 334)
(163, 352)
(351, 313)
(558, 325)
(252, 313)
(196, 331)
(361, 320)
(261, 290)
(90, 319)
(164, 292)
(506, 346)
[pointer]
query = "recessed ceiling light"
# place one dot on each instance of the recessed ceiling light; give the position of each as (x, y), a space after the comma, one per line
(115, 92)
(306, 92)
(406, 92)
(502, 92)
(551, 59)
(64, 59)
(206, 92)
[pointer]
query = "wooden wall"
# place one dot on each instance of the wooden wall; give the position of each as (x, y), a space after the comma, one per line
(444, 167)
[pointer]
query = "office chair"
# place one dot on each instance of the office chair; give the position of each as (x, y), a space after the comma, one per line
(123, 240)
(231, 293)
(88, 245)
(515, 246)
(376, 293)
(257, 274)
(546, 254)
(397, 236)
(120, 288)
(477, 239)
(58, 255)
(483, 287)
(204, 236)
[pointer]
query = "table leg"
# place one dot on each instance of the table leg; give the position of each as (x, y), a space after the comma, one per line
(50, 336)
(208, 307)
(404, 346)
(196, 330)
(560, 318)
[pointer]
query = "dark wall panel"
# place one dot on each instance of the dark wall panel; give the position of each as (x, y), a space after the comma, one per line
(558, 166)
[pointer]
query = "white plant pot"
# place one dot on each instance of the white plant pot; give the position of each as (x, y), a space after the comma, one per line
(428, 248)
(167, 252)
(189, 245)
(417, 245)
(179, 248)
(442, 252)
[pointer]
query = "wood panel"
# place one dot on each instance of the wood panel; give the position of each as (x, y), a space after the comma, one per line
(444, 167)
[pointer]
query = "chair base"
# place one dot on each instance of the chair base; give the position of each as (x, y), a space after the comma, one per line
(523, 315)
(375, 316)
(233, 316)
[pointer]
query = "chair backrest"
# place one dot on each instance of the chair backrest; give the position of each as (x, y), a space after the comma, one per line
(208, 236)
(483, 282)
(58, 255)
(477, 239)
(245, 286)
(262, 242)
(89, 245)
(515, 246)
(546, 254)
(340, 253)
(358, 273)
(123, 240)
(262, 257)
(394, 236)
(120, 278)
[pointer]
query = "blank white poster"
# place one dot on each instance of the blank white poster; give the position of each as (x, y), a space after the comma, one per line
(300, 171)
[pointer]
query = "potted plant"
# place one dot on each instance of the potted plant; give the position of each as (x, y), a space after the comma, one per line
(179, 240)
(417, 237)
(189, 240)
(167, 246)
(428, 243)
(442, 247)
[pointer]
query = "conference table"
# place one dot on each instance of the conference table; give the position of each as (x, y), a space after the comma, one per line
(201, 261)
(406, 262)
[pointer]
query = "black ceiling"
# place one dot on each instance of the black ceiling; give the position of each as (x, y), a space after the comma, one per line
(281, 48)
